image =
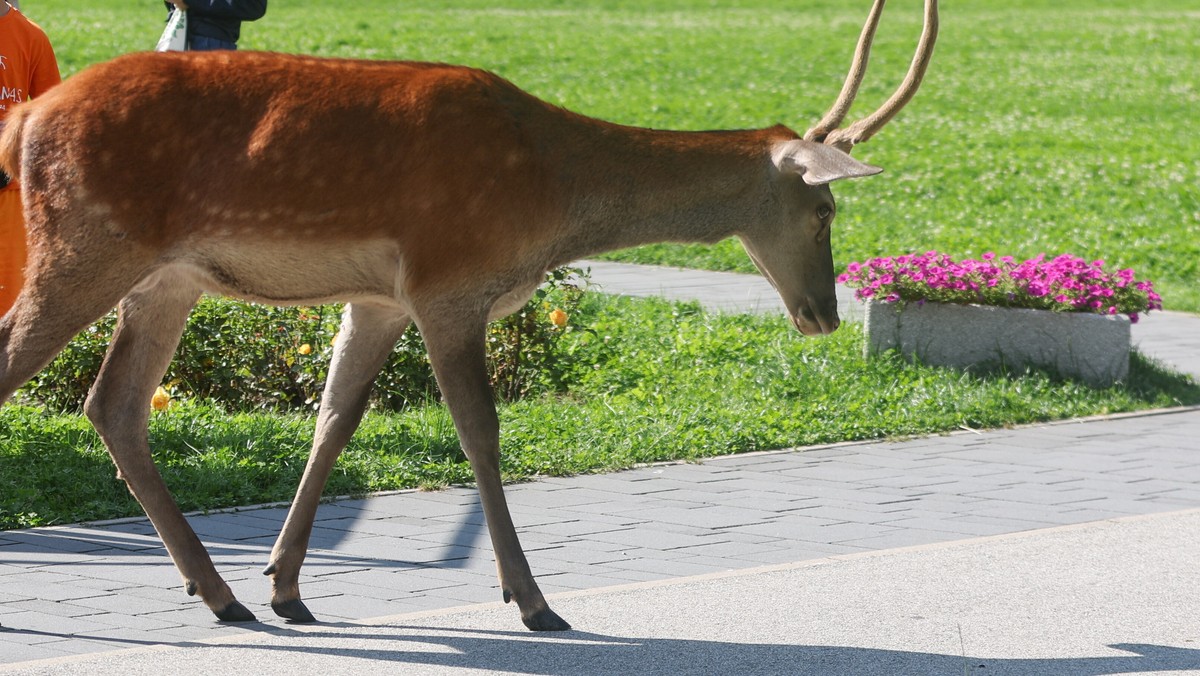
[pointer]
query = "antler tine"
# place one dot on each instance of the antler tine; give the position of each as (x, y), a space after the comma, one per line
(858, 68)
(845, 139)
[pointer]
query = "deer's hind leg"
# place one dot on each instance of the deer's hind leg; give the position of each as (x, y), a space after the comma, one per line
(61, 296)
(150, 322)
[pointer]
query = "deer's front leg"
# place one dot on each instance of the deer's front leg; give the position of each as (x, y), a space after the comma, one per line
(367, 335)
(456, 350)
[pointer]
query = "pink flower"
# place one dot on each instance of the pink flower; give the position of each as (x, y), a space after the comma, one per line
(1066, 280)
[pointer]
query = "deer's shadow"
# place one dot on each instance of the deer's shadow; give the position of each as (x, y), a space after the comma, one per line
(579, 653)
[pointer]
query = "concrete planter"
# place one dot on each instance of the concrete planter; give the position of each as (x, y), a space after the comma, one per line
(1088, 347)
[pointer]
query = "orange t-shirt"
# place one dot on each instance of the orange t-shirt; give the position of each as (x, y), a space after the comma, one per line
(27, 64)
(27, 69)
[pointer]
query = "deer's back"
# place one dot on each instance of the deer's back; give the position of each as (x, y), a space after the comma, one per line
(440, 161)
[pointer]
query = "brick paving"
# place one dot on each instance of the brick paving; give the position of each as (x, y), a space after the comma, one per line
(99, 587)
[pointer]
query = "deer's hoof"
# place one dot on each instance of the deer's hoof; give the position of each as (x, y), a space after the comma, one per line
(235, 612)
(293, 611)
(545, 620)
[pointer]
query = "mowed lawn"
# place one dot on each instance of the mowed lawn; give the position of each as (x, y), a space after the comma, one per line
(1049, 127)
(1059, 126)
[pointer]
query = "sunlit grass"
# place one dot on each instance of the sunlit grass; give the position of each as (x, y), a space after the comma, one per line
(1042, 126)
(1057, 127)
(651, 381)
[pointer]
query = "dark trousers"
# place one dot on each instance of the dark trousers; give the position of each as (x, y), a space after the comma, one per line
(199, 43)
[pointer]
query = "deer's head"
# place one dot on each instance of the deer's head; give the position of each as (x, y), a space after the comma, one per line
(795, 255)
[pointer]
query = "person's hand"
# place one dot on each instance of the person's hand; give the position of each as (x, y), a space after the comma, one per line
(180, 4)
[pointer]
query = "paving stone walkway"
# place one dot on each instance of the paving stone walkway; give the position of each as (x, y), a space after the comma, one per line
(92, 588)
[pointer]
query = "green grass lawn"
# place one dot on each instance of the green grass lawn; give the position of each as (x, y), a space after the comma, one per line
(1057, 127)
(650, 381)
(1054, 127)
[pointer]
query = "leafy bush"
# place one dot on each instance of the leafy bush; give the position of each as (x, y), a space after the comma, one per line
(248, 357)
(526, 353)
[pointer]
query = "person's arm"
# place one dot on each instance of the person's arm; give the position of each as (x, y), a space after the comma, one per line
(43, 66)
(45, 72)
(243, 10)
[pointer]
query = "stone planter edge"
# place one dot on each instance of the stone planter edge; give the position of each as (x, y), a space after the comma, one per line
(1088, 347)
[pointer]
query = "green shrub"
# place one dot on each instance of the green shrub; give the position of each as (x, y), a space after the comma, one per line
(526, 351)
(246, 357)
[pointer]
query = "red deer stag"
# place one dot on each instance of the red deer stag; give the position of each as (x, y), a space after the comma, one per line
(412, 192)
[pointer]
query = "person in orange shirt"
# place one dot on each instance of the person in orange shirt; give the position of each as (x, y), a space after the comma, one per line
(27, 69)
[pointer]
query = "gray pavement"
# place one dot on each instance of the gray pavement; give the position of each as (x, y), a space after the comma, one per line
(1113, 597)
(1064, 548)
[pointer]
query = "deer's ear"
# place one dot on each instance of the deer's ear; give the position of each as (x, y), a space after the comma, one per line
(818, 163)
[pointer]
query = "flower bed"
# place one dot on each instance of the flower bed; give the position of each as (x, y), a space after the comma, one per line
(1065, 283)
(1062, 314)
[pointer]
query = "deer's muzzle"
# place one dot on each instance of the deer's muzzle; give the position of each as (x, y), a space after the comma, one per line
(812, 323)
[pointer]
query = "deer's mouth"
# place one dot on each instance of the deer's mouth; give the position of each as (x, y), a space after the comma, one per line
(811, 323)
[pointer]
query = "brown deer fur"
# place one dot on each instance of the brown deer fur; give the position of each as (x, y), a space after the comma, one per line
(412, 192)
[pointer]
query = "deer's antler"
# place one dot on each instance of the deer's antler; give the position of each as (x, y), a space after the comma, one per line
(827, 130)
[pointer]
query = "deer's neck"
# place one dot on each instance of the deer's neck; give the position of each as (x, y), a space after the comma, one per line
(631, 186)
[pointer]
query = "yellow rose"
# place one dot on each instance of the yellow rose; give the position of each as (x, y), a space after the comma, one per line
(558, 317)
(161, 400)
(305, 349)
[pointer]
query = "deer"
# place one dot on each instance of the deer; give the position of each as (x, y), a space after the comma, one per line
(412, 193)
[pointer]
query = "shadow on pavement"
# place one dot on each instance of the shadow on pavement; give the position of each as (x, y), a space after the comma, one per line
(581, 653)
